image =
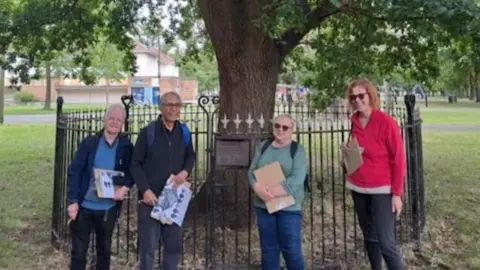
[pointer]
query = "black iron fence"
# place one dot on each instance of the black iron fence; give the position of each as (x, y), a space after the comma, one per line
(219, 230)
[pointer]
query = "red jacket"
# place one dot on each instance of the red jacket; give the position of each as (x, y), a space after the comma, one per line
(383, 153)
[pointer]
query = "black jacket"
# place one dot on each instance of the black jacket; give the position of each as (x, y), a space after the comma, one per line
(80, 169)
(168, 154)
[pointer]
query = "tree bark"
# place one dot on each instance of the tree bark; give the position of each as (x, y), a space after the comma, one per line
(48, 87)
(248, 62)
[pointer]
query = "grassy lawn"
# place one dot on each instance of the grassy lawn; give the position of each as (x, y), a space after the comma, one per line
(451, 175)
(26, 193)
(38, 109)
(443, 103)
(470, 117)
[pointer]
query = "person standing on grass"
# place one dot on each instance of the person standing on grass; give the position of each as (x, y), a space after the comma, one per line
(377, 185)
(281, 230)
(163, 148)
(110, 150)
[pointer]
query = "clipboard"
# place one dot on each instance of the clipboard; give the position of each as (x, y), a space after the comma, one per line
(104, 182)
(272, 175)
(352, 159)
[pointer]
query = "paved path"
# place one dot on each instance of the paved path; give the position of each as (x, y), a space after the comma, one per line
(31, 119)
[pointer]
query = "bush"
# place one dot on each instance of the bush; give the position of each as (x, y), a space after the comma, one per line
(24, 97)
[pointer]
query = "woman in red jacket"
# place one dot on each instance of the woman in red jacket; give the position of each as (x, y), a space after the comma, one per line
(377, 185)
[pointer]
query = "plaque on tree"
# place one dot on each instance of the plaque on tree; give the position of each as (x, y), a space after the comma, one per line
(232, 152)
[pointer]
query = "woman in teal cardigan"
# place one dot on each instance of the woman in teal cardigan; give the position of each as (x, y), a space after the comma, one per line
(281, 230)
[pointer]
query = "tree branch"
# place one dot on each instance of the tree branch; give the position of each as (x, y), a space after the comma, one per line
(292, 37)
(304, 6)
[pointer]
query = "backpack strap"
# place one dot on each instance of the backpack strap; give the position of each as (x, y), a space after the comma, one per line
(293, 149)
(186, 134)
(151, 133)
(266, 145)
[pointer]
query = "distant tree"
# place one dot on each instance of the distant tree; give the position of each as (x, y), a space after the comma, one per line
(251, 39)
(203, 69)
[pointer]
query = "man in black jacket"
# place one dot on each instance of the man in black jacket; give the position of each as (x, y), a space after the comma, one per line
(163, 148)
(107, 150)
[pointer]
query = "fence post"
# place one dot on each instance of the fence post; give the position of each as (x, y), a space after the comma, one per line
(58, 177)
(127, 101)
(420, 172)
(413, 179)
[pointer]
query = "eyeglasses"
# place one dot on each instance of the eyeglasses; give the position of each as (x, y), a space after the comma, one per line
(172, 105)
(360, 96)
(282, 127)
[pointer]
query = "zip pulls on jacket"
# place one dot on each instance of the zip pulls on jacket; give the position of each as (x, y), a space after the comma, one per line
(169, 147)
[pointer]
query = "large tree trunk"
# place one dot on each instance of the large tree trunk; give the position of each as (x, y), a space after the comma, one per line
(249, 62)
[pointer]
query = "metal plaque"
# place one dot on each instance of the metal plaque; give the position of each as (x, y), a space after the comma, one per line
(232, 153)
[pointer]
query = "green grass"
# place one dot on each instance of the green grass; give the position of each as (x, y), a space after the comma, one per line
(451, 118)
(443, 103)
(451, 174)
(451, 177)
(26, 192)
(38, 109)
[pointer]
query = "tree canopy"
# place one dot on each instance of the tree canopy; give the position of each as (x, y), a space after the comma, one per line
(324, 41)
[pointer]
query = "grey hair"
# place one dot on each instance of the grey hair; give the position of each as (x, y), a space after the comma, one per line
(170, 93)
(287, 116)
(115, 106)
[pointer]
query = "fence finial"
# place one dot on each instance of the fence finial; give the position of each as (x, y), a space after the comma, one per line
(59, 105)
(127, 100)
(409, 101)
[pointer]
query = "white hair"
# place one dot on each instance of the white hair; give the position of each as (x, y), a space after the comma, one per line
(170, 93)
(286, 116)
(113, 107)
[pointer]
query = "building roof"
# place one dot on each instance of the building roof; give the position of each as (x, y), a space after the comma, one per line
(142, 48)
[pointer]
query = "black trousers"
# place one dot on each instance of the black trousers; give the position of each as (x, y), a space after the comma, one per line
(377, 221)
(103, 223)
(150, 233)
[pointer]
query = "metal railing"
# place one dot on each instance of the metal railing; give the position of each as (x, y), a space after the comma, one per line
(331, 233)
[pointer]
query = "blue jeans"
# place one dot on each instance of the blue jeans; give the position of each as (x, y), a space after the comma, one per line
(280, 231)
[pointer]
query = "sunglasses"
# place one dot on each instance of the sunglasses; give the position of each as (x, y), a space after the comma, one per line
(282, 127)
(360, 96)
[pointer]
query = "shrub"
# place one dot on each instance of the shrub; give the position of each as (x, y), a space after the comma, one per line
(24, 97)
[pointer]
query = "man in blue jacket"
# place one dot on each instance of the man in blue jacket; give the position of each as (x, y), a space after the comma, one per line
(108, 150)
(163, 148)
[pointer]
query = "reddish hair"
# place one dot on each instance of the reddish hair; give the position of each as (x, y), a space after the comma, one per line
(372, 91)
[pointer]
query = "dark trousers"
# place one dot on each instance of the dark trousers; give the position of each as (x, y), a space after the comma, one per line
(103, 223)
(280, 231)
(150, 232)
(377, 221)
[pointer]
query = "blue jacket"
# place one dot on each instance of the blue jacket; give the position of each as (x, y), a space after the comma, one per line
(80, 169)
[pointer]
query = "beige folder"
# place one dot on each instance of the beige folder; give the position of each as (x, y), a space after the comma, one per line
(353, 158)
(272, 175)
